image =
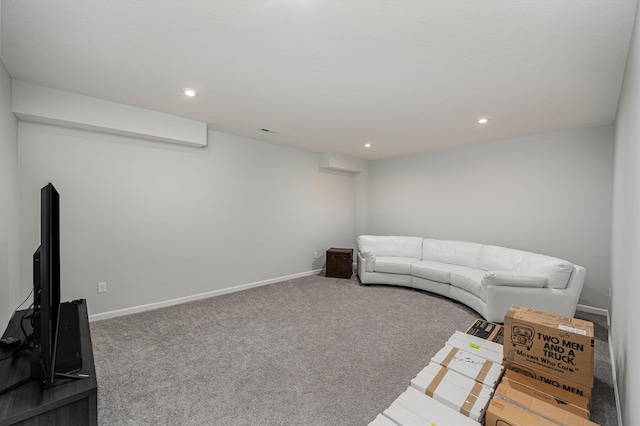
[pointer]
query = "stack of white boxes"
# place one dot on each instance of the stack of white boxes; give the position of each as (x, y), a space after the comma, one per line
(454, 388)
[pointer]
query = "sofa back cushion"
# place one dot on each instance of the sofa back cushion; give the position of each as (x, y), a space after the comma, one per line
(557, 271)
(453, 252)
(392, 246)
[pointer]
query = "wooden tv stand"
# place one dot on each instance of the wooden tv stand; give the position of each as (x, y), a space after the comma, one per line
(68, 401)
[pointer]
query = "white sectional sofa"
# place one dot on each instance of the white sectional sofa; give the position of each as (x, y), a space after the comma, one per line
(488, 279)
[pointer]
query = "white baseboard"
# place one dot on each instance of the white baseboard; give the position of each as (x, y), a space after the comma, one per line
(593, 310)
(615, 378)
(164, 303)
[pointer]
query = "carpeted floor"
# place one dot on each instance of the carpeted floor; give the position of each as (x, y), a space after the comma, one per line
(309, 351)
(603, 401)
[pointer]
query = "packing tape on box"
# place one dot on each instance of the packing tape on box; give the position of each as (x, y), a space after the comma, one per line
(436, 382)
(471, 399)
(447, 360)
(484, 371)
(468, 404)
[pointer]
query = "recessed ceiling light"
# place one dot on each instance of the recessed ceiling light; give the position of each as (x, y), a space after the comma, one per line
(483, 120)
(367, 145)
(189, 92)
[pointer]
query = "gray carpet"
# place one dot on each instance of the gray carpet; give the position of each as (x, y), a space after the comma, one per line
(309, 351)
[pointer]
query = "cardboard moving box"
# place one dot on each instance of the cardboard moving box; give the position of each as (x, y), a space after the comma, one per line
(479, 342)
(454, 390)
(503, 413)
(401, 415)
(554, 395)
(477, 346)
(429, 409)
(477, 368)
(550, 379)
(546, 397)
(433, 370)
(518, 401)
(551, 343)
(487, 330)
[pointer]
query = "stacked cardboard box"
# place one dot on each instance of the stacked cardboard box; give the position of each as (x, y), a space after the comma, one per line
(552, 348)
(549, 360)
(512, 406)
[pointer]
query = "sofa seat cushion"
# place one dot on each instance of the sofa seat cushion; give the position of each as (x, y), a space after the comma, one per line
(469, 280)
(394, 264)
(434, 271)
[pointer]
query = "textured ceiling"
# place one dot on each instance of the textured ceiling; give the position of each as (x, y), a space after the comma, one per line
(330, 75)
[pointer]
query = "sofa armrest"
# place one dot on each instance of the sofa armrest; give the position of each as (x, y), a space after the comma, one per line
(559, 301)
(369, 256)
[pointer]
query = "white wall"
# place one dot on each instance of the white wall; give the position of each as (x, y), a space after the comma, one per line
(158, 221)
(547, 193)
(9, 204)
(625, 247)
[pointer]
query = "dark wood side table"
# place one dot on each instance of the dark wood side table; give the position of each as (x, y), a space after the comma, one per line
(67, 402)
(339, 262)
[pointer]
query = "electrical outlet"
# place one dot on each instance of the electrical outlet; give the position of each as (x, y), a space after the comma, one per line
(315, 254)
(102, 287)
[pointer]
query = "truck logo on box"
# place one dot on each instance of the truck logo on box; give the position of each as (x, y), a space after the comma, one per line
(522, 335)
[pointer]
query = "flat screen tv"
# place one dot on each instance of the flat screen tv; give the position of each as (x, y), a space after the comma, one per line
(45, 313)
(46, 286)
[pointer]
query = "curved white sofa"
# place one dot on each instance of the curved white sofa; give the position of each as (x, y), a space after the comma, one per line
(488, 279)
